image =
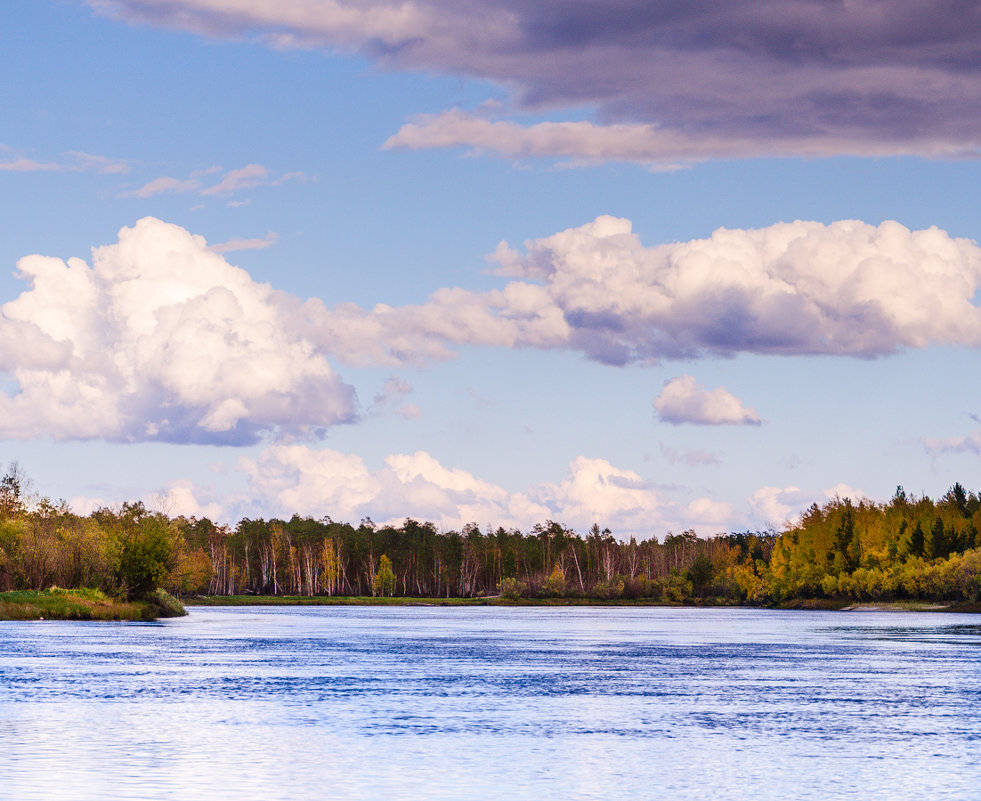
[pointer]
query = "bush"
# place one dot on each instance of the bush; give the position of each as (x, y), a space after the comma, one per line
(146, 555)
(161, 603)
(511, 588)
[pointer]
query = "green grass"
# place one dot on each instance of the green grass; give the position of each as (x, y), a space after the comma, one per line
(367, 600)
(83, 604)
(827, 604)
(332, 600)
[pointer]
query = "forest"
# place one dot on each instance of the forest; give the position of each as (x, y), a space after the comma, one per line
(908, 548)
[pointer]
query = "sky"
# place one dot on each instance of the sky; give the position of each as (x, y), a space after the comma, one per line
(652, 265)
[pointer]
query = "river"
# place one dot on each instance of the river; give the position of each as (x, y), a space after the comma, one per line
(524, 703)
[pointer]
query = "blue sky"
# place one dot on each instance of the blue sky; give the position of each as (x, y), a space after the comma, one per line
(258, 177)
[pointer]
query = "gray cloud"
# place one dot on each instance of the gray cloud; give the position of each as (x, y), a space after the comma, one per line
(727, 77)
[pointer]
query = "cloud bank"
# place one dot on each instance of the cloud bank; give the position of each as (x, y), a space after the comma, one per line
(801, 288)
(160, 339)
(727, 77)
(683, 401)
(288, 479)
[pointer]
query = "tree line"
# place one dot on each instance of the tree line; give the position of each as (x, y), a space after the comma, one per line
(910, 547)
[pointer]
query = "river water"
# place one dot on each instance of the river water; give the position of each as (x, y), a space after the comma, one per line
(493, 703)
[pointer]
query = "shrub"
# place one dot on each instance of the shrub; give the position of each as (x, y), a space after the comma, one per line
(511, 588)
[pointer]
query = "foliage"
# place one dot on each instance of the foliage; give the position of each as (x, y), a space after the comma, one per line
(78, 604)
(907, 549)
(555, 583)
(146, 549)
(384, 581)
(511, 588)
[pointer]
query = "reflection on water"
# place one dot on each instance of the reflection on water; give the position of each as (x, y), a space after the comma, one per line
(431, 702)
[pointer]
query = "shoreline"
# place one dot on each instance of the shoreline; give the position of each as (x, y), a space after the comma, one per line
(812, 604)
(93, 605)
(56, 603)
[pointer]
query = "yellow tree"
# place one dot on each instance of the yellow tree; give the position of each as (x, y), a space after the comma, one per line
(384, 581)
(329, 564)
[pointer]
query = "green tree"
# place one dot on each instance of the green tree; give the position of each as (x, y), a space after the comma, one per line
(146, 549)
(384, 581)
(700, 574)
(511, 588)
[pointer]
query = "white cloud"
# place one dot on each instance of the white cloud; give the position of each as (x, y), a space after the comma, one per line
(792, 288)
(163, 184)
(96, 163)
(288, 479)
(232, 181)
(970, 443)
(584, 143)
(183, 498)
(392, 397)
(231, 245)
(160, 339)
(243, 178)
(774, 507)
(848, 288)
(691, 458)
(777, 507)
(77, 162)
(843, 491)
(683, 401)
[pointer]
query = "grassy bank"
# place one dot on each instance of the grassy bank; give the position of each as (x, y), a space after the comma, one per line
(367, 600)
(84, 604)
(816, 604)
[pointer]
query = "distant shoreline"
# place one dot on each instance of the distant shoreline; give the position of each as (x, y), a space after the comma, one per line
(92, 605)
(814, 604)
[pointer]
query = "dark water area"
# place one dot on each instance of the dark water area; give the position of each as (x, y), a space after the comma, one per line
(493, 703)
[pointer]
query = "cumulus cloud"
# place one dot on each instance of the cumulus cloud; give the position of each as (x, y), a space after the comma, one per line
(796, 288)
(294, 478)
(688, 80)
(683, 401)
(776, 507)
(183, 498)
(848, 288)
(285, 479)
(160, 339)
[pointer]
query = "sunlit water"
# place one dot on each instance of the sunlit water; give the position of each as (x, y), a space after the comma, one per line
(493, 703)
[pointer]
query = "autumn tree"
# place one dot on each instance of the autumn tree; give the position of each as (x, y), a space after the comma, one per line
(384, 581)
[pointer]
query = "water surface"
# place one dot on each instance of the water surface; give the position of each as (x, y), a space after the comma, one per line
(493, 703)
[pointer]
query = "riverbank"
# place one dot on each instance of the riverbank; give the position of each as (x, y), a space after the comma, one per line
(825, 604)
(85, 604)
(368, 600)
(88, 604)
